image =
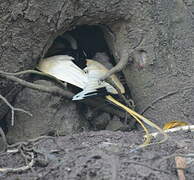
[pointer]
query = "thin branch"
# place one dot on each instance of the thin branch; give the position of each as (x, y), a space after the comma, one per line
(165, 96)
(150, 167)
(19, 169)
(30, 71)
(21, 72)
(158, 99)
(25, 152)
(52, 89)
(34, 140)
(13, 109)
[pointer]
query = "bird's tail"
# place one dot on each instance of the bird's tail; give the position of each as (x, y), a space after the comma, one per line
(90, 92)
(139, 118)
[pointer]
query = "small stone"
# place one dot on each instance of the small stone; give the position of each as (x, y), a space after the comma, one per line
(102, 121)
(115, 124)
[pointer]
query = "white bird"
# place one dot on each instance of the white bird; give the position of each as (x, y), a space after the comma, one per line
(94, 71)
(63, 68)
(86, 74)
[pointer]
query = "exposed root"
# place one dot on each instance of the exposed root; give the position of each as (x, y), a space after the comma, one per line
(27, 151)
(51, 89)
(35, 140)
(13, 109)
(150, 167)
(37, 73)
(19, 169)
(158, 99)
(165, 96)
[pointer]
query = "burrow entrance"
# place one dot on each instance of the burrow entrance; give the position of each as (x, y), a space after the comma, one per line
(90, 39)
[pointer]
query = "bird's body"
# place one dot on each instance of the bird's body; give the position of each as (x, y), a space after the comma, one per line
(67, 45)
(64, 68)
(87, 75)
(103, 58)
(94, 71)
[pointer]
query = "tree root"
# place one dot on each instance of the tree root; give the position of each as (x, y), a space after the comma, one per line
(28, 154)
(165, 96)
(13, 109)
(150, 167)
(158, 99)
(51, 89)
(19, 169)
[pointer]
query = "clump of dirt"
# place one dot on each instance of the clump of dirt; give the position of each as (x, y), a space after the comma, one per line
(100, 155)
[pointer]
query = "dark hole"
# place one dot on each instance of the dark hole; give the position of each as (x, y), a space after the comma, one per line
(89, 38)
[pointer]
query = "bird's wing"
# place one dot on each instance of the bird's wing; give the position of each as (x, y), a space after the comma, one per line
(93, 86)
(63, 69)
(100, 70)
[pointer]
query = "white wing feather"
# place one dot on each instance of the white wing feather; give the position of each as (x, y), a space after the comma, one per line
(94, 73)
(64, 69)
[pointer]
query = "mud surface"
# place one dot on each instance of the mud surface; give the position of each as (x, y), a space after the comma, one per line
(102, 155)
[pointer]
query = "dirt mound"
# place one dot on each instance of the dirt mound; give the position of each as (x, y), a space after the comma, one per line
(99, 155)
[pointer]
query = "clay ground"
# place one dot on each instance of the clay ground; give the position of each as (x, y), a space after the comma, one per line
(101, 155)
(164, 31)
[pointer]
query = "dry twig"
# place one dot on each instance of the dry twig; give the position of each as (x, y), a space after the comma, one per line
(13, 109)
(150, 167)
(26, 152)
(19, 169)
(158, 99)
(165, 96)
(37, 73)
(34, 141)
(51, 89)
